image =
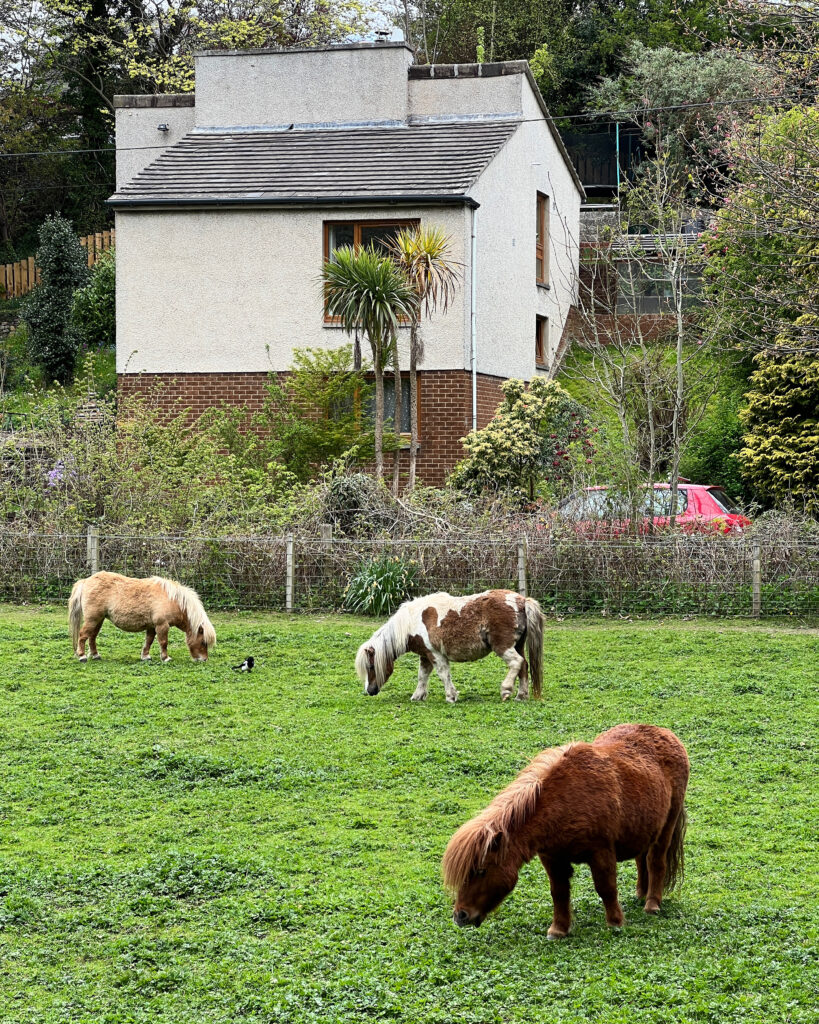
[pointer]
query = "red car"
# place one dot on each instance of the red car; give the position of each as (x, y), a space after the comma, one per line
(699, 508)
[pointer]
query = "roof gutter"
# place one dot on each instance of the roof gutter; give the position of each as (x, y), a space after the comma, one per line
(294, 202)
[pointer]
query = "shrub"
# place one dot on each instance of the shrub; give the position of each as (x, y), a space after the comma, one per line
(47, 311)
(358, 505)
(93, 311)
(380, 586)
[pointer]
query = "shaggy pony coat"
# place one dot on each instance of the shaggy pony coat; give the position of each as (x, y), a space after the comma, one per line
(598, 803)
(153, 605)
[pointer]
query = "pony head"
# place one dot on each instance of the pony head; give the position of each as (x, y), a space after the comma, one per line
(200, 640)
(372, 665)
(199, 631)
(478, 870)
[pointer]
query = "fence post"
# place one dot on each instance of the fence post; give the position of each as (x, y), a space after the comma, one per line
(756, 580)
(92, 547)
(288, 585)
(522, 567)
(326, 534)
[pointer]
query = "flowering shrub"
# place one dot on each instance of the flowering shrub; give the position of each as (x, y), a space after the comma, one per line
(533, 443)
(380, 586)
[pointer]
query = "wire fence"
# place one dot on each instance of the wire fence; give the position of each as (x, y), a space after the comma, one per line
(670, 574)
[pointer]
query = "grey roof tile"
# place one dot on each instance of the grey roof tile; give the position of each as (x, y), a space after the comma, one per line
(412, 161)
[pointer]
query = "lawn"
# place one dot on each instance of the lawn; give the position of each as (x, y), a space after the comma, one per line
(182, 843)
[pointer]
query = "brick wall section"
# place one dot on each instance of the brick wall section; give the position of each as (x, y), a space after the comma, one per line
(445, 406)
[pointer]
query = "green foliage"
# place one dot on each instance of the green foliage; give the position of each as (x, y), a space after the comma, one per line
(380, 586)
(357, 504)
(14, 362)
(192, 846)
(780, 457)
(310, 419)
(533, 442)
(711, 456)
(47, 311)
(93, 312)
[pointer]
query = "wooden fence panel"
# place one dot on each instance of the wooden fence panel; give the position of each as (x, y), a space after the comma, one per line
(18, 279)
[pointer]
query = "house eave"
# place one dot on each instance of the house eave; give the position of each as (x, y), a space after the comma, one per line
(289, 202)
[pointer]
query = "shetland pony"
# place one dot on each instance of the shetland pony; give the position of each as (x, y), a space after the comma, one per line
(153, 604)
(442, 628)
(621, 796)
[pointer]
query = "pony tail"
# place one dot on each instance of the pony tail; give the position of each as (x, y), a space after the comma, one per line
(75, 612)
(534, 644)
(675, 858)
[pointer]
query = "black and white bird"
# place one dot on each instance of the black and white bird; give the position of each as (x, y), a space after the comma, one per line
(246, 666)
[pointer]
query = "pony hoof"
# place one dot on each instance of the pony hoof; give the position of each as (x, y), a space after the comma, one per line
(522, 696)
(166, 659)
(418, 697)
(144, 657)
(82, 657)
(96, 657)
(553, 936)
(505, 697)
(652, 907)
(452, 699)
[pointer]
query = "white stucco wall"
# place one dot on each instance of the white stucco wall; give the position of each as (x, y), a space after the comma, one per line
(139, 141)
(237, 290)
(441, 97)
(342, 84)
(509, 299)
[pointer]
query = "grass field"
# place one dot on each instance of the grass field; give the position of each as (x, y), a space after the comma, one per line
(181, 843)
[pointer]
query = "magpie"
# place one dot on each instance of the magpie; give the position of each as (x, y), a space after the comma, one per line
(246, 665)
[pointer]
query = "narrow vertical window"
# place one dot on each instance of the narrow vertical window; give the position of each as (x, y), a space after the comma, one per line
(542, 240)
(542, 342)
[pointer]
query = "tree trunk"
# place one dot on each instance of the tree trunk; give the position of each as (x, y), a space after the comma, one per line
(378, 439)
(413, 453)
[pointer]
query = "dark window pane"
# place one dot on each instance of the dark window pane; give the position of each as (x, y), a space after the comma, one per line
(341, 234)
(389, 404)
(378, 235)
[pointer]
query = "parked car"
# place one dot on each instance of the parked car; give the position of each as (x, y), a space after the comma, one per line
(700, 508)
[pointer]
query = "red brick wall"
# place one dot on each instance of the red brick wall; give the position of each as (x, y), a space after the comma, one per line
(445, 406)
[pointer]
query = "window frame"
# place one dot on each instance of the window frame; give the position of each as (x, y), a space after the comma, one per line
(541, 342)
(542, 218)
(357, 225)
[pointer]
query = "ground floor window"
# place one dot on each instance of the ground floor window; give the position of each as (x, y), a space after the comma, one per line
(542, 342)
(389, 404)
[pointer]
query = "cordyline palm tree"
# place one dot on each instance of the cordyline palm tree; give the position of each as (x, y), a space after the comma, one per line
(422, 254)
(366, 290)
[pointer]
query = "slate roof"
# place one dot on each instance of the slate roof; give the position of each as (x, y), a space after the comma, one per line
(427, 161)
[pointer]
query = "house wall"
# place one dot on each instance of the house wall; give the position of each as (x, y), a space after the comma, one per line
(357, 82)
(238, 290)
(444, 414)
(139, 141)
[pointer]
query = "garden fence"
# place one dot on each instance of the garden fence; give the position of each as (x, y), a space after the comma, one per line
(17, 279)
(680, 574)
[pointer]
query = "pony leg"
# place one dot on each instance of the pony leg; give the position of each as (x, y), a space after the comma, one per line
(560, 875)
(92, 642)
(424, 671)
(150, 634)
(523, 678)
(162, 637)
(514, 663)
(642, 877)
(604, 875)
(442, 668)
(90, 628)
(657, 861)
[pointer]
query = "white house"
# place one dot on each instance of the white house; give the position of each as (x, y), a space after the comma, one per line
(227, 205)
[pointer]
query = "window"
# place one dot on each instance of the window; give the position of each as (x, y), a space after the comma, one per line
(389, 404)
(645, 287)
(542, 240)
(375, 233)
(542, 342)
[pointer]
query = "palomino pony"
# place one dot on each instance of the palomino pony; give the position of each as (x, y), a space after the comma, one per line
(619, 797)
(442, 628)
(153, 604)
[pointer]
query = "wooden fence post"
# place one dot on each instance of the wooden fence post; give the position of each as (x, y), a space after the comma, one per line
(92, 547)
(522, 567)
(756, 580)
(289, 578)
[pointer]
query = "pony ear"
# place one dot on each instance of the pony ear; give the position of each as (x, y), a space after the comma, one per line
(370, 652)
(495, 843)
(201, 630)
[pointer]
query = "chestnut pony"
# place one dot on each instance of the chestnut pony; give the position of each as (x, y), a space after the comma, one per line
(621, 796)
(153, 604)
(442, 628)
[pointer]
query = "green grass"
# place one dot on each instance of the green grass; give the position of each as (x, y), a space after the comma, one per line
(182, 843)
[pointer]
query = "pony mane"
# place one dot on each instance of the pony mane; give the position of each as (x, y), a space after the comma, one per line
(389, 643)
(188, 600)
(508, 812)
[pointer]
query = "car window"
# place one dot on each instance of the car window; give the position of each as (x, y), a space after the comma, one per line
(662, 502)
(725, 502)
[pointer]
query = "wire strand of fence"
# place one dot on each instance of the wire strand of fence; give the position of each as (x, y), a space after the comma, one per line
(679, 574)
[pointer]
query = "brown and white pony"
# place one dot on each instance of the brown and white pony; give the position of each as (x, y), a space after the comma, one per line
(153, 604)
(621, 796)
(442, 628)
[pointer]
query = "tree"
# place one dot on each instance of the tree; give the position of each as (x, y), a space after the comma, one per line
(47, 310)
(531, 443)
(423, 255)
(366, 291)
(93, 309)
